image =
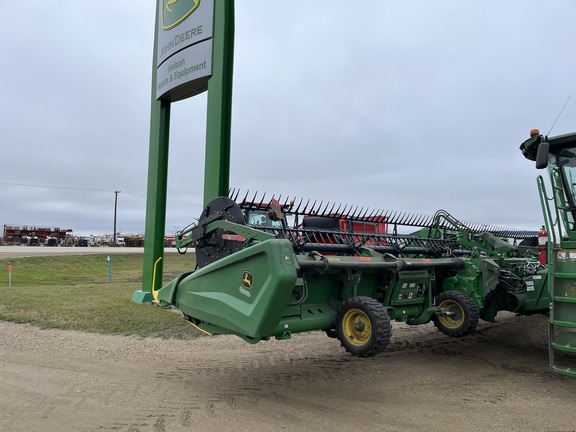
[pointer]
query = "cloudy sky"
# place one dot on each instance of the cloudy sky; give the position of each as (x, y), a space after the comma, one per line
(403, 105)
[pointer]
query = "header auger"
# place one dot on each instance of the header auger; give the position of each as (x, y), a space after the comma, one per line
(273, 267)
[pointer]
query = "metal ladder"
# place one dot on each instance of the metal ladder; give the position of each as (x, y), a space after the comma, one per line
(562, 286)
(562, 325)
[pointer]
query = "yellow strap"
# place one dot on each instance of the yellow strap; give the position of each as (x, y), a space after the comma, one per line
(154, 292)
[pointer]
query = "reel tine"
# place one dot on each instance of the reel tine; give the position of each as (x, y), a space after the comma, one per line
(387, 215)
(245, 198)
(402, 220)
(405, 218)
(347, 211)
(424, 221)
(337, 212)
(354, 213)
(392, 217)
(305, 207)
(318, 209)
(430, 221)
(299, 205)
(371, 216)
(419, 219)
(344, 212)
(313, 208)
(332, 208)
(412, 218)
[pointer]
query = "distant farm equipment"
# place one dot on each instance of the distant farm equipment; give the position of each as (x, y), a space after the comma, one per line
(34, 235)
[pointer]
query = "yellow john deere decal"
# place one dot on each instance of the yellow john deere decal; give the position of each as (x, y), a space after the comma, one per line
(176, 11)
(247, 279)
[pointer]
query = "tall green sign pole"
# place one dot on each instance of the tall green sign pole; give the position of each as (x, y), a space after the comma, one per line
(219, 116)
(193, 52)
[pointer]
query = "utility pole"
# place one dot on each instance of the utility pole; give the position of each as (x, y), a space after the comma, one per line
(115, 211)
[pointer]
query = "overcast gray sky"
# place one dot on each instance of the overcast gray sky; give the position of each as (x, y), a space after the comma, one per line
(402, 105)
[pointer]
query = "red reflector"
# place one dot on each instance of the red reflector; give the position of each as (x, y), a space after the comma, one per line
(233, 237)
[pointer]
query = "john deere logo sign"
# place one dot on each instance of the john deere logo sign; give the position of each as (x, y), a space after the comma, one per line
(176, 11)
(184, 47)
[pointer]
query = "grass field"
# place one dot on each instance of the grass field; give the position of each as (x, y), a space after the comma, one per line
(74, 293)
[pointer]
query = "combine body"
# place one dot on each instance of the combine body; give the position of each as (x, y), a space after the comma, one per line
(341, 271)
(558, 154)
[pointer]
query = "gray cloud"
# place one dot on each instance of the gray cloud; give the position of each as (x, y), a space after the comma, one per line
(412, 106)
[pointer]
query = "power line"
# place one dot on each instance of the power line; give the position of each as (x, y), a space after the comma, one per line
(56, 187)
(90, 189)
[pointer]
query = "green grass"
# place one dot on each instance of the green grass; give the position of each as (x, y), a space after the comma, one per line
(74, 293)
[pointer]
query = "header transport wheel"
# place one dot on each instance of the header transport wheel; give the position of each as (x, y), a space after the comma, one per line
(462, 314)
(363, 326)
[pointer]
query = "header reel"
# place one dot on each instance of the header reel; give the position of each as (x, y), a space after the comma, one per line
(228, 225)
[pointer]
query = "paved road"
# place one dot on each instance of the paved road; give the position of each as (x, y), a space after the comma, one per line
(28, 251)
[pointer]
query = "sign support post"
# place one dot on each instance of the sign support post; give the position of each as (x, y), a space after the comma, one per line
(219, 119)
(193, 52)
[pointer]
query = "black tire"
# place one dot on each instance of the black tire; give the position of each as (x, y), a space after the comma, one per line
(465, 315)
(331, 333)
(363, 326)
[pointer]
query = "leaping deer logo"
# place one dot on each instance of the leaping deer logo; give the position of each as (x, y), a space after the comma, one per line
(176, 11)
(170, 3)
(247, 279)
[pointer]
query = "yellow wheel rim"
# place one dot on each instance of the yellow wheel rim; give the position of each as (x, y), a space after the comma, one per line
(356, 327)
(456, 319)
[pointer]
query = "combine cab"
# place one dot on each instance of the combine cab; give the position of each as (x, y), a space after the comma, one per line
(558, 154)
(264, 271)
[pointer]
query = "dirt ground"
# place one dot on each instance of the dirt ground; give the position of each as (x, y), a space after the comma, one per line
(494, 380)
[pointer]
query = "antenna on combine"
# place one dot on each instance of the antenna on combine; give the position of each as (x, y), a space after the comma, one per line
(559, 114)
